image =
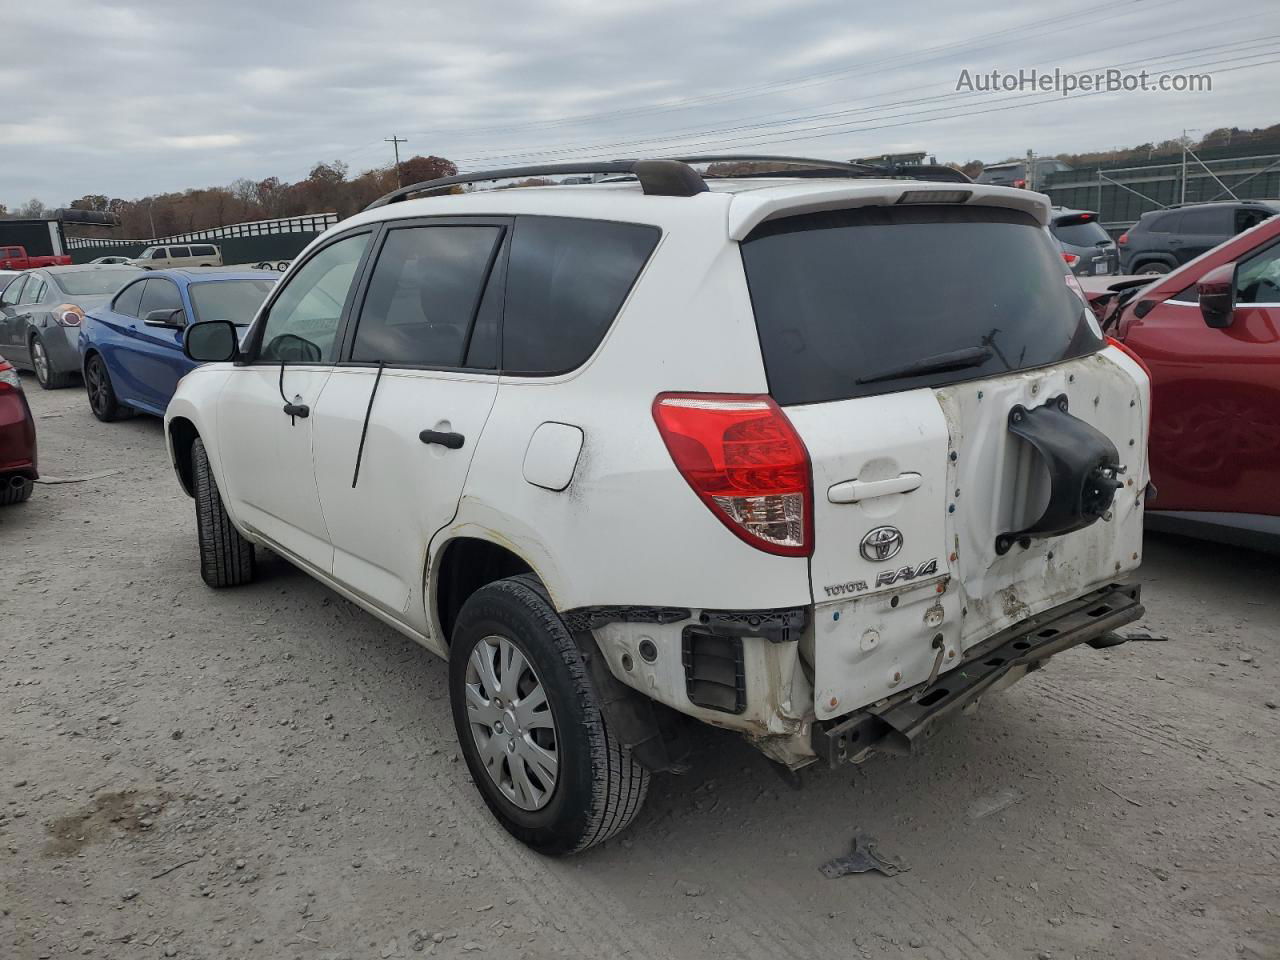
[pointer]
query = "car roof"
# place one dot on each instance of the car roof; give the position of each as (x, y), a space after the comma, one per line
(87, 267)
(740, 203)
(203, 274)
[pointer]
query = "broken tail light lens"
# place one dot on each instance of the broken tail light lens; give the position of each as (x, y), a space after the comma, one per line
(69, 315)
(745, 461)
(1070, 259)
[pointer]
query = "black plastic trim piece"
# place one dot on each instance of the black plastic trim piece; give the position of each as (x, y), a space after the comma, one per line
(588, 618)
(707, 657)
(896, 725)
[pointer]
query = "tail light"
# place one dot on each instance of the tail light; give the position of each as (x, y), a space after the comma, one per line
(1071, 259)
(69, 315)
(9, 376)
(1123, 238)
(745, 461)
(1021, 184)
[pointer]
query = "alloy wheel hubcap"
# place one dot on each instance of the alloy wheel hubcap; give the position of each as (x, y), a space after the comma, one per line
(511, 723)
(41, 361)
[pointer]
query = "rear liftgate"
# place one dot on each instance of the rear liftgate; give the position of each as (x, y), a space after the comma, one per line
(1083, 467)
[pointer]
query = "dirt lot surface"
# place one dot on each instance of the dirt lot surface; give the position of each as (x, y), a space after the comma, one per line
(269, 772)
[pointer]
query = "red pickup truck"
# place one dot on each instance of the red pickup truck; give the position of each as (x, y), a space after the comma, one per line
(15, 258)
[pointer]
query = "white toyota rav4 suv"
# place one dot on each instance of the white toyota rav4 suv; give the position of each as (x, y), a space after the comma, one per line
(819, 456)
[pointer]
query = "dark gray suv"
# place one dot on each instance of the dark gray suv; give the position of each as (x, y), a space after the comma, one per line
(1165, 239)
(1087, 248)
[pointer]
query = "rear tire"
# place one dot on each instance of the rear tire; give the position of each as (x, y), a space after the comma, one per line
(46, 376)
(597, 788)
(15, 493)
(226, 557)
(102, 395)
(1152, 269)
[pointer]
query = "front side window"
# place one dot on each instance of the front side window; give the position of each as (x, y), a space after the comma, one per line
(1250, 217)
(424, 294)
(566, 281)
(129, 300)
(302, 323)
(160, 294)
(872, 300)
(147, 254)
(1258, 278)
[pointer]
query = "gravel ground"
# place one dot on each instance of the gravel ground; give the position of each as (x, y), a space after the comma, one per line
(270, 772)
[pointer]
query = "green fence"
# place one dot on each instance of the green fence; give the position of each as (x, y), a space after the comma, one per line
(1120, 196)
(240, 242)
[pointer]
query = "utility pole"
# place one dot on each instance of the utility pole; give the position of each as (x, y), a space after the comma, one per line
(1184, 166)
(1031, 170)
(395, 143)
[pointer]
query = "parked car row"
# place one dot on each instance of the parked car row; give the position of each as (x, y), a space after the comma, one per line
(1162, 240)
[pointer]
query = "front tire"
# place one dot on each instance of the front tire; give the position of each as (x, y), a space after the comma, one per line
(226, 557)
(48, 378)
(1153, 269)
(530, 725)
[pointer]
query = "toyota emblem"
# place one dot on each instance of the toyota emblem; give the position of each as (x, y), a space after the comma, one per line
(881, 543)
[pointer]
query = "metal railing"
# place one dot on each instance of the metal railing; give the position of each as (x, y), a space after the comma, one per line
(310, 223)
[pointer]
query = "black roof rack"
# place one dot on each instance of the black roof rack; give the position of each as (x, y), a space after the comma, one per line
(674, 177)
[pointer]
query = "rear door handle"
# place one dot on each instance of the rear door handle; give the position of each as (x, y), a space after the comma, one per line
(855, 491)
(449, 439)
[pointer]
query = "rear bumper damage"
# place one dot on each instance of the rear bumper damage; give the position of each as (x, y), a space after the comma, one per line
(896, 724)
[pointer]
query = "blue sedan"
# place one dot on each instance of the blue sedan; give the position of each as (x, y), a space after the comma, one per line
(131, 350)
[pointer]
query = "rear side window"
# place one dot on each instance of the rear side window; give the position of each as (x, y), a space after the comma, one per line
(129, 300)
(1211, 220)
(1081, 232)
(848, 302)
(566, 281)
(1164, 223)
(179, 252)
(204, 251)
(424, 294)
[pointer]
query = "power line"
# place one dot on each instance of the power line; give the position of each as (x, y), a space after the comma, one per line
(918, 57)
(661, 140)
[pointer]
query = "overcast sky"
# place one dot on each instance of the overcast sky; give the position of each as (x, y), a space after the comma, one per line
(129, 98)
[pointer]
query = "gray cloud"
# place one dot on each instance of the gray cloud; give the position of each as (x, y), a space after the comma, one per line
(126, 98)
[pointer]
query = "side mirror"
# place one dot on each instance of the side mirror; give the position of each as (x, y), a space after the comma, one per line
(174, 319)
(212, 341)
(1217, 294)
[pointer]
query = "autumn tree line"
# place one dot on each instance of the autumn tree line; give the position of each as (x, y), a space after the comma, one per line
(327, 188)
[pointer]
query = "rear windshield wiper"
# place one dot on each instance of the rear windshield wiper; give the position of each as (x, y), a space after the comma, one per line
(940, 363)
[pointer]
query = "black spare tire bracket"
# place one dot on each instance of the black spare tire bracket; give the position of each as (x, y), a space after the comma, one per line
(1084, 470)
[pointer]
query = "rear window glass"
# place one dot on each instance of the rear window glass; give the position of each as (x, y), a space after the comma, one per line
(566, 281)
(88, 283)
(234, 300)
(1081, 233)
(846, 302)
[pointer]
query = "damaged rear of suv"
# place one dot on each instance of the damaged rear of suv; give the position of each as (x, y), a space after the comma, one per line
(817, 454)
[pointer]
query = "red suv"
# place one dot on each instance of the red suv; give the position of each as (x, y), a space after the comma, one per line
(1209, 333)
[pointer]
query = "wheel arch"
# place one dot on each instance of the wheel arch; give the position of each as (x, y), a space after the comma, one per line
(462, 565)
(182, 437)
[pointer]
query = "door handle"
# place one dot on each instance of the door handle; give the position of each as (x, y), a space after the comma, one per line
(445, 438)
(855, 491)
